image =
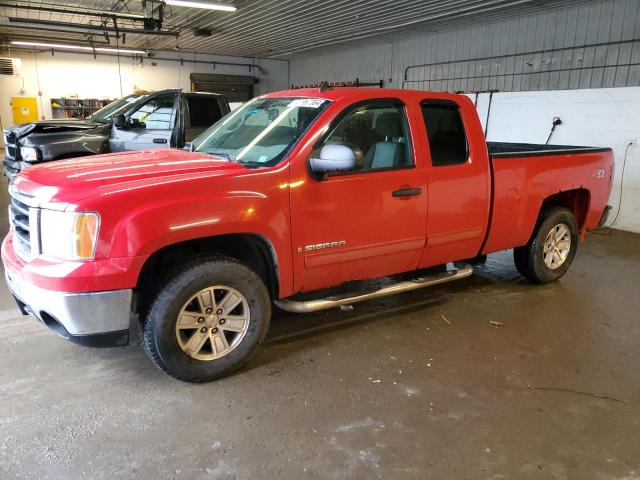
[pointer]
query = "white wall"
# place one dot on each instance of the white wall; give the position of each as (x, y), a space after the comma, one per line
(607, 117)
(69, 74)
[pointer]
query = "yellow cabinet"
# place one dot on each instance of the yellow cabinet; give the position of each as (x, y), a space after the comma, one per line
(25, 109)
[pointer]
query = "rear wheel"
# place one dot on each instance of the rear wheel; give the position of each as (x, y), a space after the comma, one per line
(207, 320)
(552, 247)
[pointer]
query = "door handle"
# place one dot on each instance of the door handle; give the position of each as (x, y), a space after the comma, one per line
(159, 140)
(406, 192)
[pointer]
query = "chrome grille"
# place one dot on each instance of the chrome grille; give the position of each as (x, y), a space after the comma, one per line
(12, 154)
(21, 218)
(10, 145)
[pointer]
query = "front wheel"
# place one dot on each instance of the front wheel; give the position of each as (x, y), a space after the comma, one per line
(552, 247)
(207, 320)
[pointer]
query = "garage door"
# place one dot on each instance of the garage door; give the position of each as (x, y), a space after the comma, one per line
(236, 88)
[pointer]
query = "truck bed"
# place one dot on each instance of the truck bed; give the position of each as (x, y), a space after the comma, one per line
(505, 149)
(526, 174)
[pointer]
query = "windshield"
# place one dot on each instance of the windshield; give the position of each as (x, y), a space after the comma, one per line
(261, 132)
(105, 113)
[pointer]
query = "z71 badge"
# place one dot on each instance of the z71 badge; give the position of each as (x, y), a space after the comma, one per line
(322, 246)
(600, 173)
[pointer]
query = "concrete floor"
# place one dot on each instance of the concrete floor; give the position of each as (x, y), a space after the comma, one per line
(417, 386)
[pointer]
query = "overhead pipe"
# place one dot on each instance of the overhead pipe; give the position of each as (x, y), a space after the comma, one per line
(101, 28)
(213, 63)
(511, 55)
(486, 123)
(152, 58)
(44, 7)
(38, 38)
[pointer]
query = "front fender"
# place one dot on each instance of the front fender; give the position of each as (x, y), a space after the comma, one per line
(150, 229)
(138, 223)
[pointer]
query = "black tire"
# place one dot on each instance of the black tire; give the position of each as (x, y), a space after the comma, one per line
(160, 340)
(529, 259)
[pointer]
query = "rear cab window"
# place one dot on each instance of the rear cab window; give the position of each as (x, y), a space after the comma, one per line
(445, 131)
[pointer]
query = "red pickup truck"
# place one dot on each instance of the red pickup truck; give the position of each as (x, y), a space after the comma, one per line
(295, 198)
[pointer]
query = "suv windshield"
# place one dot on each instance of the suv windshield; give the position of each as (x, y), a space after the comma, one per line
(105, 113)
(261, 132)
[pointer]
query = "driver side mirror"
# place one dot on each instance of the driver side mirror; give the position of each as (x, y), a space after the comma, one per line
(334, 158)
(120, 121)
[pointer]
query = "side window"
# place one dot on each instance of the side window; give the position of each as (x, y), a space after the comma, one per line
(445, 130)
(154, 114)
(378, 134)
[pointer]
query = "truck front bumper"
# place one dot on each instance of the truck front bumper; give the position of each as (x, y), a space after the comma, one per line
(97, 319)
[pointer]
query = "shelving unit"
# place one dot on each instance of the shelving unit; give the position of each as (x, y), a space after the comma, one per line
(76, 107)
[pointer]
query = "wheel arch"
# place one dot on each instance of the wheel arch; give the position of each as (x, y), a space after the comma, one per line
(254, 250)
(576, 200)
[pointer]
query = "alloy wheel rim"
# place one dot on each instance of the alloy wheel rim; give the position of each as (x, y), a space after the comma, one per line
(212, 323)
(557, 246)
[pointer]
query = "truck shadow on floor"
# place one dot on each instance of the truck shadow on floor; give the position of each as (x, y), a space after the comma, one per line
(290, 333)
(497, 276)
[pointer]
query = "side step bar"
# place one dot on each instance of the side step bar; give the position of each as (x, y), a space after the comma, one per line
(405, 286)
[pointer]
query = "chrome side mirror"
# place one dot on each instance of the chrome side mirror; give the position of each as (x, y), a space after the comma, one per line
(334, 158)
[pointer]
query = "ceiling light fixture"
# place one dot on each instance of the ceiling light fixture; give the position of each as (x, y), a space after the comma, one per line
(225, 7)
(77, 47)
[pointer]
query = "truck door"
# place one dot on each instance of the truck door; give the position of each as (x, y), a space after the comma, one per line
(369, 221)
(459, 181)
(149, 125)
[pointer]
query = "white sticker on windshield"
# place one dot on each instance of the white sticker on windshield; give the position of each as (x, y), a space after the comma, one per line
(308, 102)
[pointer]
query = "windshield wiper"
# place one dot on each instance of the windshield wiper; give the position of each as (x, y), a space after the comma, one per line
(250, 164)
(226, 155)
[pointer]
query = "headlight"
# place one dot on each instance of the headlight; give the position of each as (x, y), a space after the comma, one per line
(29, 154)
(69, 235)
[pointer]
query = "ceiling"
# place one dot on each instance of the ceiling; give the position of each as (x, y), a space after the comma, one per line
(261, 28)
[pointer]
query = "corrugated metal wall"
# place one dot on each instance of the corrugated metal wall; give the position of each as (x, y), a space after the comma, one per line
(585, 46)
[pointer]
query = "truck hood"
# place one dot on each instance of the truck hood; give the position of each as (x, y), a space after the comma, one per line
(52, 126)
(69, 181)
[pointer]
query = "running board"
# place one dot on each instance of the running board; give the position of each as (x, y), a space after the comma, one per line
(294, 306)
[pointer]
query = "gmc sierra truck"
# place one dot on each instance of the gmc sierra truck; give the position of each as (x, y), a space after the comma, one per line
(168, 118)
(300, 198)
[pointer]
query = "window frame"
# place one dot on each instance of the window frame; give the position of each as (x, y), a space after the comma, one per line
(446, 103)
(344, 113)
(172, 120)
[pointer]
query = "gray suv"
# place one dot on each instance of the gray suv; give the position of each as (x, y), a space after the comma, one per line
(168, 118)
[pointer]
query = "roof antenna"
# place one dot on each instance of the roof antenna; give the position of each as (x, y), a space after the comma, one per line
(324, 86)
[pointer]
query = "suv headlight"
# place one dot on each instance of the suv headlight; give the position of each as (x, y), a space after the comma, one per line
(29, 154)
(69, 235)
